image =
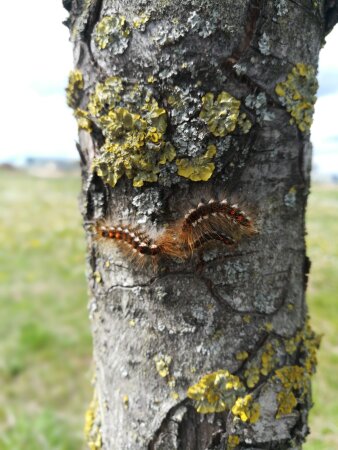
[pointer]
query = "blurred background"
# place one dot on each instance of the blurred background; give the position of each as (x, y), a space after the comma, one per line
(45, 351)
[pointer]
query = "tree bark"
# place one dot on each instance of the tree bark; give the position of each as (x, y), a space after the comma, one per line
(215, 351)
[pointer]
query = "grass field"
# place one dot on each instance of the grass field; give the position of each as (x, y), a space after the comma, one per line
(45, 352)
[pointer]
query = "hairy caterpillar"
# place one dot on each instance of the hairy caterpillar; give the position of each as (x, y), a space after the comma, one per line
(215, 217)
(212, 221)
(139, 242)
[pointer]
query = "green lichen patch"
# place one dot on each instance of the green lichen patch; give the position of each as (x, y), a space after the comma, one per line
(139, 22)
(112, 33)
(133, 125)
(252, 375)
(106, 96)
(242, 356)
(83, 122)
(295, 385)
(198, 169)
(306, 343)
(215, 392)
(74, 88)
(233, 441)
(162, 364)
(244, 123)
(298, 94)
(221, 114)
(246, 409)
(267, 362)
(269, 358)
(294, 380)
(92, 428)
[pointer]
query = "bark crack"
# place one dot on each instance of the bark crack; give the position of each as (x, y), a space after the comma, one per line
(255, 9)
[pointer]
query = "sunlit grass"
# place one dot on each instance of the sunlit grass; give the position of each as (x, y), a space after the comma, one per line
(45, 352)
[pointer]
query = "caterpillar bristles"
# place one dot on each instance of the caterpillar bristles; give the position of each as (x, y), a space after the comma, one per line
(216, 216)
(209, 237)
(138, 245)
(215, 220)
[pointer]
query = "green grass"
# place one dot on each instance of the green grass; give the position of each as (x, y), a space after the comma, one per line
(323, 304)
(45, 352)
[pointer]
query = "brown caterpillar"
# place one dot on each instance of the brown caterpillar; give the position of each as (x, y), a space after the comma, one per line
(216, 217)
(139, 242)
(212, 221)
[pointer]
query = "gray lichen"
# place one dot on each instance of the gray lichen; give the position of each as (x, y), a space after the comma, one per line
(282, 7)
(264, 44)
(259, 104)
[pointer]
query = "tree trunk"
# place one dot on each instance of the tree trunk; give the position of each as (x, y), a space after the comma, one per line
(178, 102)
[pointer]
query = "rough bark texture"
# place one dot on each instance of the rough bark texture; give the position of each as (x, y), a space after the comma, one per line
(158, 331)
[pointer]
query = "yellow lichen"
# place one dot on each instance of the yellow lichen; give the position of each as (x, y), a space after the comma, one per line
(221, 115)
(286, 403)
(269, 358)
(162, 364)
(151, 79)
(291, 344)
(233, 441)
(268, 362)
(244, 123)
(200, 168)
(268, 327)
(97, 277)
(171, 381)
(134, 133)
(74, 88)
(309, 346)
(293, 380)
(298, 94)
(295, 385)
(215, 392)
(82, 120)
(175, 395)
(112, 32)
(125, 401)
(242, 356)
(252, 375)
(92, 427)
(106, 96)
(306, 342)
(140, 21)
(246, 409)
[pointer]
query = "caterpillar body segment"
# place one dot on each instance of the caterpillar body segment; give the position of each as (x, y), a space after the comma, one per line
(215, 221)
(137, 242)
(216, 216)
(209, 237)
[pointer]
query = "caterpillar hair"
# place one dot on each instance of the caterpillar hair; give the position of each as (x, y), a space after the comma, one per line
(216, 217)
(136, 242)
(212, 221)
(209, 237)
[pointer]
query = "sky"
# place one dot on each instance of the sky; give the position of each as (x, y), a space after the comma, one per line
(35, 120)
